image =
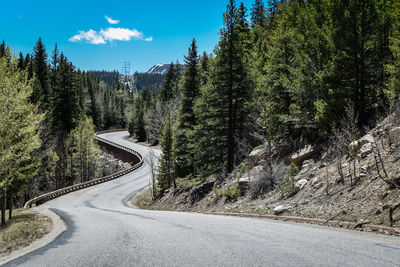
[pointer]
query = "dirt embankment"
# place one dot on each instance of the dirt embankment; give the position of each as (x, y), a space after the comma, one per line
(365, 192)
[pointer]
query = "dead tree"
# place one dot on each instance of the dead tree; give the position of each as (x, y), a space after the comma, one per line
(152, 164)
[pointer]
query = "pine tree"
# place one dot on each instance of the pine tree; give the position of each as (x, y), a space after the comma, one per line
(41, 93)
(139, 129)
(21, 62)
(243, 29)
(204, 68)
(393, 90)
(167, 89)
(165, 176)
(67, 109)
(66, 113)
(354, 62)
(224, 100)
(83, 152)
(186, 117)
(3, 48)
(258, 14)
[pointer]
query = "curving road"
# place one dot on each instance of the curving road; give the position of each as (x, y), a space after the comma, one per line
(104, 231)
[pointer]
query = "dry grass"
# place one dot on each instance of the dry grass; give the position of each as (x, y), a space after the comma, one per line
(24, 228)
(142, 200)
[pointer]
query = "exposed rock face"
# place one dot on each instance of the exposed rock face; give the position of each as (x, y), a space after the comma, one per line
(368, 138)
(257, 155)
(315, 181)
(394, 136)
(365, 150)
(306, 153)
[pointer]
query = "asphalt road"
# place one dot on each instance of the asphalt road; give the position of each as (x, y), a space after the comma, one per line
(104, 231)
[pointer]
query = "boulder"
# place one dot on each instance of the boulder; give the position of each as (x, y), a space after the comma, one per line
(394, 136)
(249, 176)
(368, 138)
(300, 184)
(279, 210)
(200, 191)
(306, 153)
(307, 163)
(304, 170)
(257, 155)
(315, 181)
(365, 150)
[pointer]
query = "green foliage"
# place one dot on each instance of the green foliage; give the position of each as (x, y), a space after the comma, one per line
(292, 170)
(83, 152)
(138, 130)
(231, 193)
(258, 14)
(288, 188)
(147, 80)
(19, 131)
(168, 88)
(19, 124)
(393, 90)
(189, 181)
(41, 86)
(221, 110)
(165, 175)
(217, 192)
(186, 118)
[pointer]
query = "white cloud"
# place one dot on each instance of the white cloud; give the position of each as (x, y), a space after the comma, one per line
(120, 34)
(90, 36)
(109, 35)
(111, 21)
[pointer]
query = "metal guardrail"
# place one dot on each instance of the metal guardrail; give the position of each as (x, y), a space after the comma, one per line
(54, 194)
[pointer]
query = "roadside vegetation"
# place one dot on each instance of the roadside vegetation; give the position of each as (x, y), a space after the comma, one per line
(24, 228)
(306, 82)
(50, 113)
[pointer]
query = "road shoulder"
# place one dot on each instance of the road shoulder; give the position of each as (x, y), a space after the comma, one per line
(59, 226)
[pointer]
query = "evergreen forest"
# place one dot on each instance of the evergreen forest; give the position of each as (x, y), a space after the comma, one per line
(283, 70)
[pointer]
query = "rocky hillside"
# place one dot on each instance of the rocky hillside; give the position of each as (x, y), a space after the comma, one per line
(358, 182)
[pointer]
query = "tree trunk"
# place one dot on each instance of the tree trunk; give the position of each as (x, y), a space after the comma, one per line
(3, 207)
(10, 207)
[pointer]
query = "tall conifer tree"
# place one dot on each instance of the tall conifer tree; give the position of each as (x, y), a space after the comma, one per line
(186, 119)
(41, 92)
(224, 99)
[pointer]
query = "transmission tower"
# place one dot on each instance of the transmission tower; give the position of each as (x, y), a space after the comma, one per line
(126, 69)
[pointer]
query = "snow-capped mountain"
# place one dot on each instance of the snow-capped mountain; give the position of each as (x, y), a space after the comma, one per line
(161, 68)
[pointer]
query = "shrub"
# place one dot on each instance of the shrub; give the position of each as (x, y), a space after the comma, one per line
(232, 192)
(292, 170)
(288, 188)
(266, 180)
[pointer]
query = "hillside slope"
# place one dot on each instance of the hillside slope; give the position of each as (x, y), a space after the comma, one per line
(365, 193)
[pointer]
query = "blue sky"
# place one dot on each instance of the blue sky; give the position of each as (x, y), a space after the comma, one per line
(148, 32)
